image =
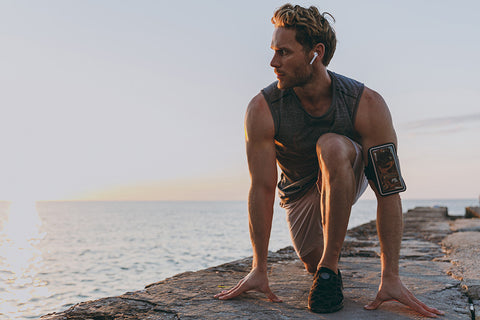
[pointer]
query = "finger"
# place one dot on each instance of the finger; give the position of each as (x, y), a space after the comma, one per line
(222, 293)
(417, 305)
(225, 292)
(239, 289)
(436, 311)
(229, 295)
(240, 283)
(272, 297)
(431, 309)
(375, 304)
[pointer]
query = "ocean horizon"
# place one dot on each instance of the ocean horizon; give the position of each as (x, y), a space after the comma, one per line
(54, 254)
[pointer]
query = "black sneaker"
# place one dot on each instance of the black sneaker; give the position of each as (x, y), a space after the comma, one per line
(326, 294)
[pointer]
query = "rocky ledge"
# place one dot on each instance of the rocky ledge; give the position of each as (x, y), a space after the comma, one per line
(438, 263)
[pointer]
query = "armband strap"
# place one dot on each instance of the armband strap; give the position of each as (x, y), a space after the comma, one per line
(383, 169)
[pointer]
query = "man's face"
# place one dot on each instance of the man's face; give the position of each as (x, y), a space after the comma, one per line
(290, 61)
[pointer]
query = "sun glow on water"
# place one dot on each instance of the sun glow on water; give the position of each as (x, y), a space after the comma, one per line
(20, 259)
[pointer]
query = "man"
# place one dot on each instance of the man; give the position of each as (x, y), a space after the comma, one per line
(319, 126)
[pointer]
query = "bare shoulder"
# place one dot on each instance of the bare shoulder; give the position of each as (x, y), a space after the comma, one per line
(372, 107)
(373, 119)
(258, 119)
(258, 107)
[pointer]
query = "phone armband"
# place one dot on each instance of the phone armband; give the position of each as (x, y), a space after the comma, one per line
(383, 169)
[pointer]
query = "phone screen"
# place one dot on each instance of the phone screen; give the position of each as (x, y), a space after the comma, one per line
(387, 169)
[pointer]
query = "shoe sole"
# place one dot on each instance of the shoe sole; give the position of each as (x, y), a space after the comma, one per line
(327, 310)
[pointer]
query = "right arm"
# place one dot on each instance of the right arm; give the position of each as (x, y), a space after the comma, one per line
(259, 135)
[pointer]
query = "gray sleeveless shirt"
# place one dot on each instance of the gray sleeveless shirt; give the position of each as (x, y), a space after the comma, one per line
(297, 132)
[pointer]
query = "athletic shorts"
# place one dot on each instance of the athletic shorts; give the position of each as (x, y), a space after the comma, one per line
(304, 217)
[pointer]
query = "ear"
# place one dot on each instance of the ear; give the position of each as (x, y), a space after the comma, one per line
(319, 48)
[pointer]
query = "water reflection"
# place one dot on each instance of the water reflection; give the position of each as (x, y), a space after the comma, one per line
(20, 259)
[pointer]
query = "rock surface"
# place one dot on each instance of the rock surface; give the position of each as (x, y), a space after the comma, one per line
(444, 277)
(463, 248)
(472, 212)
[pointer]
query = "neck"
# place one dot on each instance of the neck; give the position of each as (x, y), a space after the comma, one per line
(316, 95)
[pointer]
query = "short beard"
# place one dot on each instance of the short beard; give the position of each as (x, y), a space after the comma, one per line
(298, 81)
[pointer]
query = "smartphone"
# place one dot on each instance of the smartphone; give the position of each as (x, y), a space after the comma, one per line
(386, 169)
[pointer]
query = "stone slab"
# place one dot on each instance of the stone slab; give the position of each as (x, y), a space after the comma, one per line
(472, 212)
(426, 268)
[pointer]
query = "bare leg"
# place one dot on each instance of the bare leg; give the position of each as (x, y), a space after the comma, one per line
(336, 155)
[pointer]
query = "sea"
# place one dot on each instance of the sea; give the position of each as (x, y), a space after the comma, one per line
(56, 254)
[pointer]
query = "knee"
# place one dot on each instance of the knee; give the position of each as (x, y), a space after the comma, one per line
(312, 259)
(333, 151)
(310, 267)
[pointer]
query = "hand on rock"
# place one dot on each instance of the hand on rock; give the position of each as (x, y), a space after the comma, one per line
(256, 281)
(392, 288)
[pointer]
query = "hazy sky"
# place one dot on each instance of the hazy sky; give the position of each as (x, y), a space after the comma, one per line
(145, 100)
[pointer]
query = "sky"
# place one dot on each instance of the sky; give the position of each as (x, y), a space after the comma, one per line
(145, 100)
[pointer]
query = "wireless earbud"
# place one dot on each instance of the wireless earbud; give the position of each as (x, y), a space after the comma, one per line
(315, 55)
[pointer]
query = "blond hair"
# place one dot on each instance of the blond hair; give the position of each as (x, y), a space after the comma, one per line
(311, 27)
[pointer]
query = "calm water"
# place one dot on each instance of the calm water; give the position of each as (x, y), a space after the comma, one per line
(56, 254)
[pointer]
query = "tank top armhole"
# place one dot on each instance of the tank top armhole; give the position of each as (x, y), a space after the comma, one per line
(275, 117)
(355, 108)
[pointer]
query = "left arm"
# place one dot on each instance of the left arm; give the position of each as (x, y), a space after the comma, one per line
(374, 124)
